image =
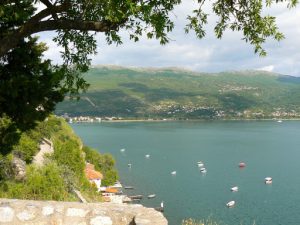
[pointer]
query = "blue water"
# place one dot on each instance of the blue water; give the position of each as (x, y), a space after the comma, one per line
(267, 147)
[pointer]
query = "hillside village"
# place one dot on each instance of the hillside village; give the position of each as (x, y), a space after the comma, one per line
(132, 94)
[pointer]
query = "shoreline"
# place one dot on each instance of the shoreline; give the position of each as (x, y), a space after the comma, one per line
(188, 120)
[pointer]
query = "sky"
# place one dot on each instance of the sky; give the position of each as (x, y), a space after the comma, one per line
(206, 55)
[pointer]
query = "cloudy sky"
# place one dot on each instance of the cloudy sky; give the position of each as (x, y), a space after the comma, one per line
(206, 55)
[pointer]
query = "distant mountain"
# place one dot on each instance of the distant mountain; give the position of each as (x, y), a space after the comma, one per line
(181, 94)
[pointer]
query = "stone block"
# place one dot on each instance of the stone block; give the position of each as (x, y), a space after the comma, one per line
(76, 212)
(101, 220)
(6, 214)
(26, 215)
(47, 210)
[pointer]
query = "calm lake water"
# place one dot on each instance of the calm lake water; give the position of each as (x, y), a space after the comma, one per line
(268, 148)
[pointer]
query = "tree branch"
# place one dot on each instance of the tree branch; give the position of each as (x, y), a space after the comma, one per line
(10, 41)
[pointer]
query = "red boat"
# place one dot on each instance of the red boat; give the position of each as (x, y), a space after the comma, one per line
(242, 164)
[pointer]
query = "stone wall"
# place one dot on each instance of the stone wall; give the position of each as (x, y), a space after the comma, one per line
(27, 212)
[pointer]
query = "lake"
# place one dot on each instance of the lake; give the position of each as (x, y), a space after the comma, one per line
(268, 148)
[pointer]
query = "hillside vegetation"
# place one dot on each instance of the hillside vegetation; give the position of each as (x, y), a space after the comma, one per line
(179, 94)
(62, 172)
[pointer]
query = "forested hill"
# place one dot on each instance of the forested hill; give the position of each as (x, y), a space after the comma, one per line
(180, 94)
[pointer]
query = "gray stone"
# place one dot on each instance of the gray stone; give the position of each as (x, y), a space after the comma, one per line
(76, 212)
(101, 220)
(25, 215)
(47, 210)
(6, 214)
(18, 168)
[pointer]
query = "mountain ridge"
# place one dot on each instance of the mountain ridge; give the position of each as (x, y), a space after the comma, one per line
(165, 93)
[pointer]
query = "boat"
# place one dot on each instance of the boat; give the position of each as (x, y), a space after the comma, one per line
(200, 164)
(203, 170)
(161, 208)
(117, 184)
(128, 187)
(242, 164)
(136, 197)
(279, 121)
(230, 204)
(173, 172)
(129, 165)
(234, 189)
(268, 180)
(122, 150)
(151, 196)
(147, 156)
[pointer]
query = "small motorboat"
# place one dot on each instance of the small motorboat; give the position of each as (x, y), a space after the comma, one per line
(200, 164)
(242, 164)
(151, 196)
(173, 172)
(147, 156)
(203, 170)
(230, 204)
(161, 208)
(129, 165)
(128, 187)
(136, 197)
(279, 121)
(122, 150)
(268, 180)
(234, 189)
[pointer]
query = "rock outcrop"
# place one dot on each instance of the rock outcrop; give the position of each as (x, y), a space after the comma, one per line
(18, 167)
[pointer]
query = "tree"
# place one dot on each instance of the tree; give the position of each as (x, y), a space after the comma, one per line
(31, 86)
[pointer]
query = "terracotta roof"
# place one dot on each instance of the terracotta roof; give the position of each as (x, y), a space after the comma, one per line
(111, 190)
(89, 166)
(91, 173)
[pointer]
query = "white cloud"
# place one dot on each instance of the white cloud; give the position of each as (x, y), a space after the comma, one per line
(209, 54)
(269, 68)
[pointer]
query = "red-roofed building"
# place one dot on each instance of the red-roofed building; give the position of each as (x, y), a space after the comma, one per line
(93, 176)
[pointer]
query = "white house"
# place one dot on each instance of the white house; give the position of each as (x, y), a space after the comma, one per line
(93, 176)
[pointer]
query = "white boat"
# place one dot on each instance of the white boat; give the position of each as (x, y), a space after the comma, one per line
(230, 204)
(268, 180)
(234, 189)
(129, 165)
(200, 164)
(122, 150)
(147, 156)
(117, 185)
(151, 196)
(173, 172)
(203, 170)
(279, 121)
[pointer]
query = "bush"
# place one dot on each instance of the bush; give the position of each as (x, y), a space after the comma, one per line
(104, 163)
(26, 148)
(43, 183)
(70, 155)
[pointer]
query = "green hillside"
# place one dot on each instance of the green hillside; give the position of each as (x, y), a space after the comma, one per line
(62, 172)
(179, 94)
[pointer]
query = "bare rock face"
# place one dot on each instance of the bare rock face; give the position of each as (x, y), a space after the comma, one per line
(18, 168)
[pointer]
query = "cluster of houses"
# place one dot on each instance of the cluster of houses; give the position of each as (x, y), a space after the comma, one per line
(89, 119)
(111, 193)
